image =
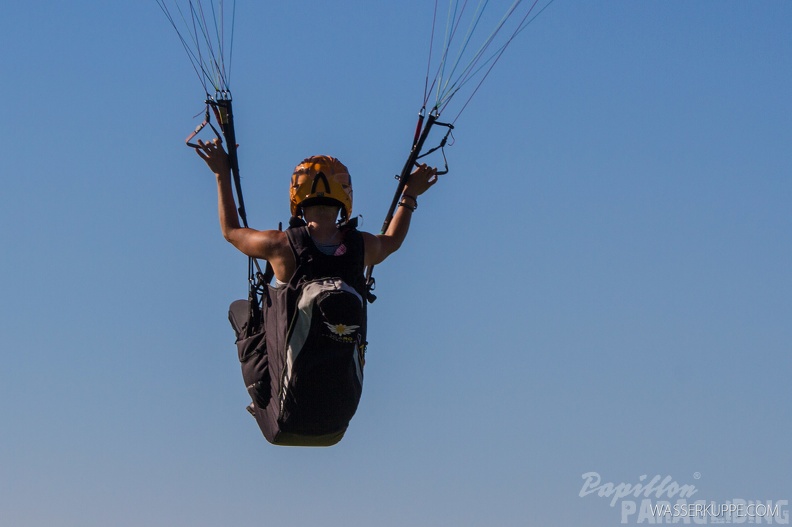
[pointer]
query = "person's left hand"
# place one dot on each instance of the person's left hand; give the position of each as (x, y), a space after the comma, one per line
(420, 180)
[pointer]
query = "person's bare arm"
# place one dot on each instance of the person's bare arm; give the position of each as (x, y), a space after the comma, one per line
(269, 245)
(379, 247)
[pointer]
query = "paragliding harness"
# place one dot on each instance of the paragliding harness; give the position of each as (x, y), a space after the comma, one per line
(302, 345)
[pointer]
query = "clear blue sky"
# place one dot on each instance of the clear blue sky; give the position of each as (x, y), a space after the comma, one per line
(602, 283)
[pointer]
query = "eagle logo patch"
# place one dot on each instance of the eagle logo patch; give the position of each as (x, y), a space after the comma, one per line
(342, 330)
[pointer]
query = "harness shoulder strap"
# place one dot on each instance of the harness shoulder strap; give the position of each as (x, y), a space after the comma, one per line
(301, 244)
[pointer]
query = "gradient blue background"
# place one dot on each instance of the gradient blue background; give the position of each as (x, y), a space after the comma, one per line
(602, 283)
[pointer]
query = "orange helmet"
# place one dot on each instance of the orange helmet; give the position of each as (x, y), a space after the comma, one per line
(321, 180)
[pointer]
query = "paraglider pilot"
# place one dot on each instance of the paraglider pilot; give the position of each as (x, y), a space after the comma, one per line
(302, 342)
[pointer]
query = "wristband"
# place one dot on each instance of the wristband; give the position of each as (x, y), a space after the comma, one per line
(415, 200)
(409, 207)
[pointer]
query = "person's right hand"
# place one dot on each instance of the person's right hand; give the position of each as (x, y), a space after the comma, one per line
(215, 156)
